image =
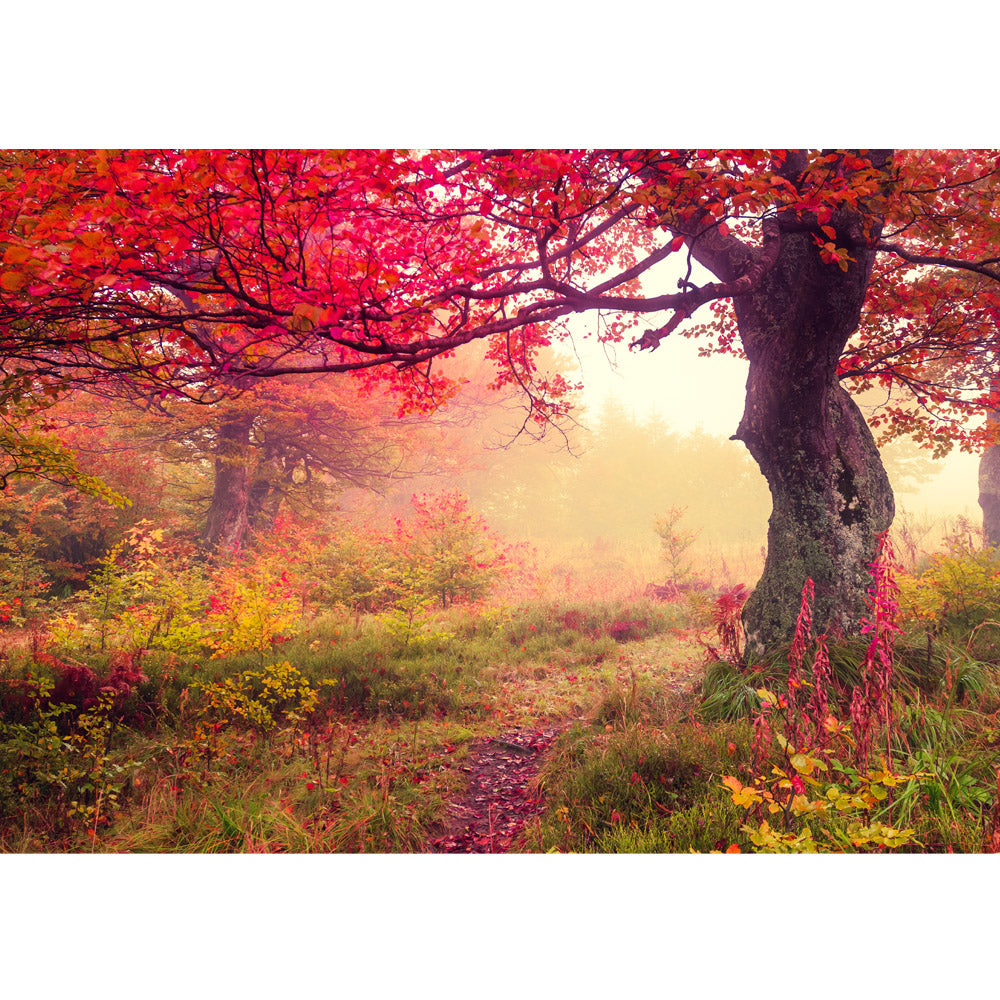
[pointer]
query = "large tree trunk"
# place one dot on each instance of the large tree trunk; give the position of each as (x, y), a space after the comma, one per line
(989, 494)
(831, 496)
(228, 518)
(989, 475)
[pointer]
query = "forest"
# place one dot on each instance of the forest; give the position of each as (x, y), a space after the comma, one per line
(309, 542)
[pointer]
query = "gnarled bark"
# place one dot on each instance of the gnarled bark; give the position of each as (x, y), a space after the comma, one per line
(830, 493)
(989, 490)
(989, 472)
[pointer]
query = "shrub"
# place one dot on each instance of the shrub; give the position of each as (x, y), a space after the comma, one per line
(674, 544)
(262, 700)
(354, 570)
(23, 579)
(958, 591)
(446, 550)
(145, 594)
(65, 773)
(251, 608)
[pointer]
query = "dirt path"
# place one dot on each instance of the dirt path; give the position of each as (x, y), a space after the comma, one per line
(497, 803)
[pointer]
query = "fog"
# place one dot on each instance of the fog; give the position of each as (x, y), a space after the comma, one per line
(650, 434)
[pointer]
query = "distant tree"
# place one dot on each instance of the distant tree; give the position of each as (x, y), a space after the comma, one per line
(227, 470)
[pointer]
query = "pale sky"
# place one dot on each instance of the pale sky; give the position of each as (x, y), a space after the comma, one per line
(686, 390)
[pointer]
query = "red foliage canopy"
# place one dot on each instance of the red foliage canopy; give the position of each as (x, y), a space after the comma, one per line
(196, 271)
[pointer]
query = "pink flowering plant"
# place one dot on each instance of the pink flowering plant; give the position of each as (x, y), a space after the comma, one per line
(810, 800)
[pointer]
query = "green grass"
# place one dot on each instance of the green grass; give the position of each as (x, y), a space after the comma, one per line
(366, 752)
(368, 765)
(638, 784)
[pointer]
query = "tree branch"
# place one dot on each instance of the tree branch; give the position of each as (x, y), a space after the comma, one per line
(760, 263)
(977, 267)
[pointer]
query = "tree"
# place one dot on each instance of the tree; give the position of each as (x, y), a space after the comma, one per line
(62, 466)
(199, 272)
(284, 445)
(989, 473)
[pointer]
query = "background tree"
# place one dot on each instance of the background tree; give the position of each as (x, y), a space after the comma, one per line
(225, 472)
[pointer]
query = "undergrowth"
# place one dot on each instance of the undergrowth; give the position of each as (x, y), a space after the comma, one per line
(349, 737)
(348, 732)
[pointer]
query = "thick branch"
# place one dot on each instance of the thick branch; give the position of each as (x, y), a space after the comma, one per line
(725, 255)
(761, 262)
(977, 267)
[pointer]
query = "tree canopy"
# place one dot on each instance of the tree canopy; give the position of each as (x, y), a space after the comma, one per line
(171, 266)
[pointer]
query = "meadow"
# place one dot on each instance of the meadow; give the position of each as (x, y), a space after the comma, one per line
(334, 699)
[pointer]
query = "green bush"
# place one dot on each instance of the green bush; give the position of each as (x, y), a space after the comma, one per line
(69, 777)
(145, 594)
(957, 592)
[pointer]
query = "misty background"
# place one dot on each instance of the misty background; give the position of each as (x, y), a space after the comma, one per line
(649, 433)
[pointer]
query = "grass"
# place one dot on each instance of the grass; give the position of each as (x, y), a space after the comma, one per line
(356, 744)
(645, 788)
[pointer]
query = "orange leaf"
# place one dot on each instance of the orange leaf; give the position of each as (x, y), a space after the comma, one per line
(12, 281)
